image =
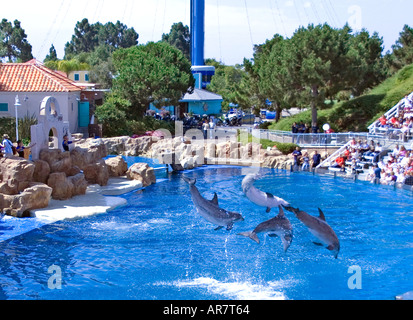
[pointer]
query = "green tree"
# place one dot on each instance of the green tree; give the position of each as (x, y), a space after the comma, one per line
(180, 38)
(113, 115)
(117, 35)
(153, 73)
(271, 66)
(368, 67)
(102, 70)
(326, 61)
(87, 37)
(403, 49)
(14, 44)
(316, 63)
(52, 56)
(318, 57)
(229, 82)
(67, 66)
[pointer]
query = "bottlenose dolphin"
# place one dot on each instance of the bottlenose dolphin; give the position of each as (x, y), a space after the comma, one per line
(278, 226)
(210, 210)
(260, 198)
(319, 228)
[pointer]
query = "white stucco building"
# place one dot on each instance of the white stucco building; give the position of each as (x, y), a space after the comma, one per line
(32, 82)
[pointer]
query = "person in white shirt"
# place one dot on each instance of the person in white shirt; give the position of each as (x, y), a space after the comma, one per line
(205, 127)
(407, 104)
(8, 146)
(396, 151)
(211, 128)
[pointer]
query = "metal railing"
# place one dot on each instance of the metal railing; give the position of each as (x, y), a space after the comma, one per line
(320, 139)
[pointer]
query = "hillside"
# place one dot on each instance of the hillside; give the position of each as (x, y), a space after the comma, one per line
(357, 114)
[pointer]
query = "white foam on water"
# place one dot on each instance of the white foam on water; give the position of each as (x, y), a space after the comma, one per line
(159, 221)
(243, 290)
(114, 225)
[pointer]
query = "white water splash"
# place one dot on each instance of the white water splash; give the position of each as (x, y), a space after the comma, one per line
(243, 290)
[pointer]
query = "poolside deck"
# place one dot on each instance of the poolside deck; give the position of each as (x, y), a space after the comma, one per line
(97, 200)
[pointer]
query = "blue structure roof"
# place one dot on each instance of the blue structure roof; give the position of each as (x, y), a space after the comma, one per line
(201, 95)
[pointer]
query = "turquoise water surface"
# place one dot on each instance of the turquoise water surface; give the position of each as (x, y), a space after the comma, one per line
(159, 247)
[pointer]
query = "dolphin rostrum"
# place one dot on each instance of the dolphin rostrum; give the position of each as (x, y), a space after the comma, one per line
(278, 226)
(319, 228)
(260, 198)
(210, 210)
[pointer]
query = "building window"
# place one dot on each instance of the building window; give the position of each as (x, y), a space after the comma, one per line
(4, 107)
(86, 77)
(77, 77)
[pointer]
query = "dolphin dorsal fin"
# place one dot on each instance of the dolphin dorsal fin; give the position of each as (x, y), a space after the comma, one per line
(269, 195)
(281, 214)
(322, 217)
(215, 199)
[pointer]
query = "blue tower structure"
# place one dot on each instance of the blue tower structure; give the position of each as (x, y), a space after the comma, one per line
(201, 72)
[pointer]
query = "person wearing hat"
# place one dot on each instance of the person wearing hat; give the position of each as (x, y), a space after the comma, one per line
(8, 146)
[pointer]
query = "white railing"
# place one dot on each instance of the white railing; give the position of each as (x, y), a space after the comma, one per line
(327, 162)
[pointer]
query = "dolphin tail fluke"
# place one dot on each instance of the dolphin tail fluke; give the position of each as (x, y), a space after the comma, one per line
(251, 235)
(190, 181)
(286, 244)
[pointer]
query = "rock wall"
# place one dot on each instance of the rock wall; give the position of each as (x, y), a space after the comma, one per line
(185, 154)
(128, 146)
(19, 192)
(69, 173)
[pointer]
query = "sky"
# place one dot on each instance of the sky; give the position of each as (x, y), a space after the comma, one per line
(232, 27)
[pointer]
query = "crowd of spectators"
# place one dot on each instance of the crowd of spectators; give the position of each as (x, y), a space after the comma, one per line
(396, 167)
(385, 166)
(402, 123)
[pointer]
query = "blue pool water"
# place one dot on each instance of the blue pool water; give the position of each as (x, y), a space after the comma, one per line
(158, 247)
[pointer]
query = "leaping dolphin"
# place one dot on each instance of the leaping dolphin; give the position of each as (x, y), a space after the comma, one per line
(210, 210)
(260, 198)
(278, 226)
(319, 228)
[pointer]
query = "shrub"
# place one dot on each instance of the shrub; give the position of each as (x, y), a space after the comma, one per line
(265, 125)
(8, 126)
(285, 148)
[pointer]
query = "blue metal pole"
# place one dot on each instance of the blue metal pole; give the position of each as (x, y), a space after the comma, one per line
(197, 32)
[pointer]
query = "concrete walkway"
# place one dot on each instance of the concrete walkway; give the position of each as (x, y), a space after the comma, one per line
(97, 200)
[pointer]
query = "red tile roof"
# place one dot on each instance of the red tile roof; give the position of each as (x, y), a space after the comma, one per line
(33, 76)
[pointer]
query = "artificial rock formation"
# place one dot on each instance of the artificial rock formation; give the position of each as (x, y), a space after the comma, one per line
(18, 191)
(27, 185)
(36, 196)
(117, 166)
(143, 173)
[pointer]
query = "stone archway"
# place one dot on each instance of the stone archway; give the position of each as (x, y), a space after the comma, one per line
(53, 139)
